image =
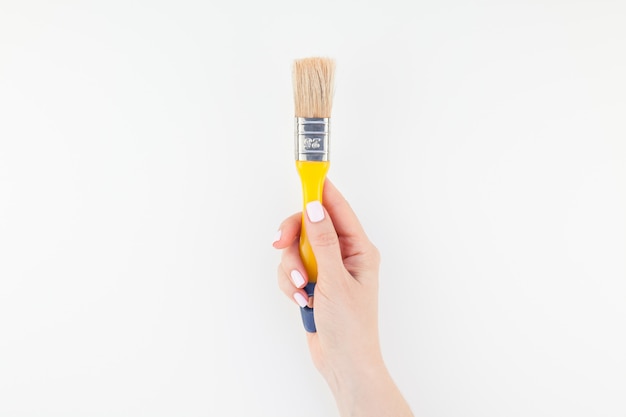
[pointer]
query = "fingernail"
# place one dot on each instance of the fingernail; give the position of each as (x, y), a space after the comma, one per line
(277, 236)
(315, 211)
(302, 302)
(297, 278)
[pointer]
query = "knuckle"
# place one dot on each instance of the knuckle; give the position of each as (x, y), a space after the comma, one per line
(281, 277)
(375, 255)
(279, 274)
(324, 239)
(371, 257)
(283, 283)
(289, 255)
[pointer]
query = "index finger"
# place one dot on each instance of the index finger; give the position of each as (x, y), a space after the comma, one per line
(288, 231)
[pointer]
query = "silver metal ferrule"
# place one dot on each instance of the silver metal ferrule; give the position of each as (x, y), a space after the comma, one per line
(312, 138)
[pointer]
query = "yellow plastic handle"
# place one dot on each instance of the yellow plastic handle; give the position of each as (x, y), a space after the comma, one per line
(312, 176)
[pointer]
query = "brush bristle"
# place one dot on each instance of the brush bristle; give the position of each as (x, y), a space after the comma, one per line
(313, 80)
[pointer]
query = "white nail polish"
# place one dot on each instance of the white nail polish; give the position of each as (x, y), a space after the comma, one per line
(302, 302)
(315, 211)
(297, 278)
(277, 236)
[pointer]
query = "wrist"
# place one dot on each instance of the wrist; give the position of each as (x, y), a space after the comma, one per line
(351, 374)
(353, 385)
(367, 390)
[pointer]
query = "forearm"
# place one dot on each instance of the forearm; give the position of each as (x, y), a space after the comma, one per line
(368, 391)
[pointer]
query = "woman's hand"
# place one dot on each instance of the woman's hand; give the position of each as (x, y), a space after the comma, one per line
(345, 348)
(346, 294)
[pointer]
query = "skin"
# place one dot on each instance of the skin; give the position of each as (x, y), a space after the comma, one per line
(345, 349)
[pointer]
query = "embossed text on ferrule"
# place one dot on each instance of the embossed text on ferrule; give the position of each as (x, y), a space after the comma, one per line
(312, 139)
(312, 144)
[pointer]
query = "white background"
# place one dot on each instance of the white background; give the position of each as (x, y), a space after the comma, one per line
(146, 160)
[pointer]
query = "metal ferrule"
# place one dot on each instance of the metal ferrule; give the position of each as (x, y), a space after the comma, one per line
(312, 134)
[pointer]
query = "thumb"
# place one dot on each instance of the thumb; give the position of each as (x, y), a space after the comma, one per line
(323, 239)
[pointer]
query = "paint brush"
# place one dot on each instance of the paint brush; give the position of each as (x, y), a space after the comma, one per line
(313, 94)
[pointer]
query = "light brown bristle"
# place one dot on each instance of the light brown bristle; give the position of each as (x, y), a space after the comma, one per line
(313, 83)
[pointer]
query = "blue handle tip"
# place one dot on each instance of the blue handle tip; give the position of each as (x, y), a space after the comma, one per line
(308, 319)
